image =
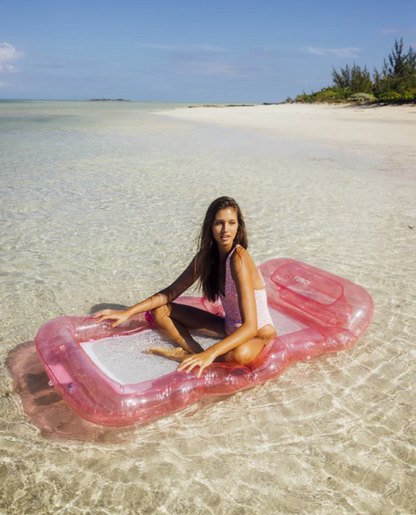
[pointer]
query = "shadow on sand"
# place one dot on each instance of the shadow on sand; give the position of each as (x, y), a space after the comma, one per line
(375, 105)
(45, 406)
(42, 403)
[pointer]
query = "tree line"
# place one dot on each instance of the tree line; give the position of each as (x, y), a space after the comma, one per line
(395, 82)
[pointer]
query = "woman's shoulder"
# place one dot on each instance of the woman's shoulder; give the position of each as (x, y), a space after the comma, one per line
(240, 251)
(240, 258)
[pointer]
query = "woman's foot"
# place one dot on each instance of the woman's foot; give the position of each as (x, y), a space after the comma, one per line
(177, 354)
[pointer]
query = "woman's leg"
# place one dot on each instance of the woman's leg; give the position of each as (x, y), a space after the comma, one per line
(175, 320)
(247, 352)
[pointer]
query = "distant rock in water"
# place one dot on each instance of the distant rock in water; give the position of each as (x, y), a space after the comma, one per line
(109, 100)
(206, 105)
(229, 105)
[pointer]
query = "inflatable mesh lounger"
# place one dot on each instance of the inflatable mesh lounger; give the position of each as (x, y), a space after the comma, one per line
(105, 376)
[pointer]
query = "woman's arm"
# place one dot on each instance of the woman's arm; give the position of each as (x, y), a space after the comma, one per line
(241, 271)
(169, 294)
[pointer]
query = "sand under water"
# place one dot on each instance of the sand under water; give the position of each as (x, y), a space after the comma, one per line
(101, 205)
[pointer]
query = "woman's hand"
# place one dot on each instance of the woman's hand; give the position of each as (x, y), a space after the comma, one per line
(201, 360)
(109, 314)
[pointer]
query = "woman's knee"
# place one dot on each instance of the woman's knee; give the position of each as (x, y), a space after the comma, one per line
(243, 354)
(266, 334)
(158, 314)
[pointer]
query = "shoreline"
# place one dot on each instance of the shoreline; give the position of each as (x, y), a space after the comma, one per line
(384, 129)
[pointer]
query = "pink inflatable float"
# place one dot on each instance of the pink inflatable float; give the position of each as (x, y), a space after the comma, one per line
(314, 312)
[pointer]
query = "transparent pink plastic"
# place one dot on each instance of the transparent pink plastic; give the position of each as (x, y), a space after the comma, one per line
(332, 312)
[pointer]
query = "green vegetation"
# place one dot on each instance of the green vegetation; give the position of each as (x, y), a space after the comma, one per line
(395, 83)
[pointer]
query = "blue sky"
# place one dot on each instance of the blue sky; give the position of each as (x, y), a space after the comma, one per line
(191, 51)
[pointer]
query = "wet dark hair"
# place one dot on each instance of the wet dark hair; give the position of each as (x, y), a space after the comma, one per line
(207, 257)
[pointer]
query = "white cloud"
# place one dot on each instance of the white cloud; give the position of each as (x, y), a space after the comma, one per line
(207, 63)
(204, 48)
(156, 46)
(339, 52)
(264, 52)
(223, 70)
(404, 31)
(8, 54)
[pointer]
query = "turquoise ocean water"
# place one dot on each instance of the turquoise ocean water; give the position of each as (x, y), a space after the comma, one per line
(101, 203)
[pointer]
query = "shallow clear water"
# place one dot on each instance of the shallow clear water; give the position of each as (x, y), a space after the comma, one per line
(101, 203)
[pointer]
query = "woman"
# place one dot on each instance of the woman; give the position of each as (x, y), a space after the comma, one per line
(224, 269)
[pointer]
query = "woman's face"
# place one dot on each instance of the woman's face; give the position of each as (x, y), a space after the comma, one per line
(224, 227)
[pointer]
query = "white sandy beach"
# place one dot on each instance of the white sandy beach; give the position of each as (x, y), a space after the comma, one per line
(380, 128)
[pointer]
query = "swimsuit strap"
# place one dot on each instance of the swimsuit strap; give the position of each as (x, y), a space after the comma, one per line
(228, 267)
(228, 273)
(231, 253)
